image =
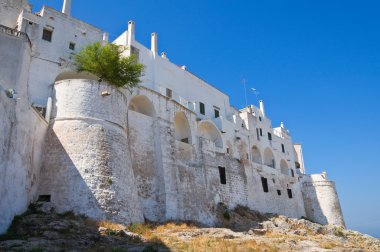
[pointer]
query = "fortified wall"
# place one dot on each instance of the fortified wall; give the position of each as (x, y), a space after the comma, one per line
(173, 149)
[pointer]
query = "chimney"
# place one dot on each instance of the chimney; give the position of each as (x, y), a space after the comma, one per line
(105, 38)
(262, 109)
(66, 9)
(163, 55)
(282, 125)
(131, 32)
(154, 45)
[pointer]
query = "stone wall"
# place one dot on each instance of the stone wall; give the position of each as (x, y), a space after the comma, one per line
(189, 171)
(10, 11)
(22, 132)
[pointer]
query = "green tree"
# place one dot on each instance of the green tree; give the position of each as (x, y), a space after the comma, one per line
(108, 63)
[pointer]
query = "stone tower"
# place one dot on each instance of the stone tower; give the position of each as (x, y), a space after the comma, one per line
(321, 200)
(87, 167)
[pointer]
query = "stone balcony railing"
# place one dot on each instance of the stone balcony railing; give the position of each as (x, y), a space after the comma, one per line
(16, 33)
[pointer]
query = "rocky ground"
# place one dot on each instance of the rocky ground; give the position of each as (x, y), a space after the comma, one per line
(41, 229)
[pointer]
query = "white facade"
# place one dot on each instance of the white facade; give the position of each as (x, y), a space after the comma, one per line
(173, 149)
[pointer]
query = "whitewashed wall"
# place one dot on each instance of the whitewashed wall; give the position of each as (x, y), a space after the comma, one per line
(22, 132)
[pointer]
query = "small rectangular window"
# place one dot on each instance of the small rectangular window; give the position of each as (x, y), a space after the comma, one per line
(216, 113)
(261, 132)
(290, 194)
(283, 148)
(264, 181)
(260, 118)
(279, 192)
(72, 46)
(269, 136)
(222, 174)
(201, 108)
(44, 198)
(228, 150)
(169, 93)
(185, 140)
(47, 35)
(247, 156)
(258, 135)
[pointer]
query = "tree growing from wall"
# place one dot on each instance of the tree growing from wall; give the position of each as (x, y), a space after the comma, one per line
(109, 64)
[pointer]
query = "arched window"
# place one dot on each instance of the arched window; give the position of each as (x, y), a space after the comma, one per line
(182, 128)
(256, 155)
(284, 167)
(143, 105)
(208, 130)
(269, 158)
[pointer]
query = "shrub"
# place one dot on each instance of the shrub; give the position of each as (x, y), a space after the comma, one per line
(108, 63)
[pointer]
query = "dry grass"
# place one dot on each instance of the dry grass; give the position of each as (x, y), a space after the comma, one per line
(328, 245)
(203, 243)
(111, 226)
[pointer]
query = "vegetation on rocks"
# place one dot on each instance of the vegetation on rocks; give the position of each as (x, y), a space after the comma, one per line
(109, 63)
(41, 229)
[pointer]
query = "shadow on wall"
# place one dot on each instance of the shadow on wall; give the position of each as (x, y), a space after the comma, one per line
(313, 208)
(63, 184)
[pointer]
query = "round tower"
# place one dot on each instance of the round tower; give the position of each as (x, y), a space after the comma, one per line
(87, 167)
(321, 200)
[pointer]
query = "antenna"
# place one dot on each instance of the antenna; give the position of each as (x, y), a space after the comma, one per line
(244, 81)
(256, 93)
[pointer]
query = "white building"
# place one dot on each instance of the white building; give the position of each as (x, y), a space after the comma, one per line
(173, 149)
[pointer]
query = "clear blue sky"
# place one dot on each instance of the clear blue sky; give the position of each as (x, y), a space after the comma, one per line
(315, 63)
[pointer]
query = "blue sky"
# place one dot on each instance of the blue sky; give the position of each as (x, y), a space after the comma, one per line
(315, 63)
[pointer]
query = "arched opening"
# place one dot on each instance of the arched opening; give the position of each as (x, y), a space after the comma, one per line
(182, 128)
(256, 155)
(143, 105)
(269, 158)
(207, 130)
(284, 167)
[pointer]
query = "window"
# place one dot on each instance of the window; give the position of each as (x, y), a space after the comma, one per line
(201, 108)
(261, 132)
(264, 181)
(47, 35)
(247, 156)
(257, 133)
(169, 93)
(72, 46)
(269, 136)
(290, 194)
(44, 198)
(228, 150)
(283, 148)
(274, 181)
(185, 140)
(260, 118)
(292, 171)
(279, 192)
(216, 113)
(222, 174)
